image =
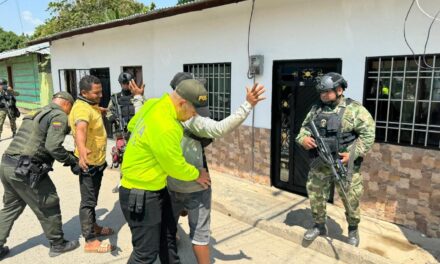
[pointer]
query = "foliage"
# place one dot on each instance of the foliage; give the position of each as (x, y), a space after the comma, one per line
(9, 40)
(70, 14)
(179, 2)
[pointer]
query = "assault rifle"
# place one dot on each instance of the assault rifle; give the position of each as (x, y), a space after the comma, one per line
(119, 148)
(121, 121)
(338, 170)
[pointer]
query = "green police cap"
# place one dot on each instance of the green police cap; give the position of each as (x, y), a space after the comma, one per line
(193, 91)
(64, 95)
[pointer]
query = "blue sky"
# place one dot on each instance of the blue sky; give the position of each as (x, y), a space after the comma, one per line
(33, 13)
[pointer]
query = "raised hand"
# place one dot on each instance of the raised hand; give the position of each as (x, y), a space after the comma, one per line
(253, 96)
(134, 89)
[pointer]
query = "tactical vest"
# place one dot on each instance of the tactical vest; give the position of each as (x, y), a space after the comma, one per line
(329, 126)
(31, 137)
(126, 106)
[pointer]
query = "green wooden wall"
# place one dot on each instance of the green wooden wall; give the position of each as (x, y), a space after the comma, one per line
(27, 80)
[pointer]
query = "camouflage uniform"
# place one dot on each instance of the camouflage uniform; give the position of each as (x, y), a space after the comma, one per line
(355, 119)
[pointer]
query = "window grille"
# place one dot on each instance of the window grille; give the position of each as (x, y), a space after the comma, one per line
(403, 97)
(218, 84)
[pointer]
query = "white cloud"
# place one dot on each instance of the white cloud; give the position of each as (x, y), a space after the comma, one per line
(27, 16)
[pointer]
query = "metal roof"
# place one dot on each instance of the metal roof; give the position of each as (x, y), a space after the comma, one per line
(42, 48)
(139, 18)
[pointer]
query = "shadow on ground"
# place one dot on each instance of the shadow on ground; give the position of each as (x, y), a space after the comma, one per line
(185, 248)
(431, 245)
(72, 230)
(303, 218)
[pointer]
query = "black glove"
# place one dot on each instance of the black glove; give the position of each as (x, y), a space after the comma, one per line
(74, 164)
(75, 168)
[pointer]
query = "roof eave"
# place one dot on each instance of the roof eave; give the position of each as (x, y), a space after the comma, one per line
(153, 15)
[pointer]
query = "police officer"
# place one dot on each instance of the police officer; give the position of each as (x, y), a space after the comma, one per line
(7, 106)
(349, 130)
(122, 104)
(24, 172)
(151, 155)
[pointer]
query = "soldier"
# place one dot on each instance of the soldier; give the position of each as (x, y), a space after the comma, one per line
(7, 106)
(24, 169)
(120, 110)
(127, 100)
(350, 131)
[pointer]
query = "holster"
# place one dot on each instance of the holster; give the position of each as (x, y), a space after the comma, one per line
(136, 201)
(29, 169)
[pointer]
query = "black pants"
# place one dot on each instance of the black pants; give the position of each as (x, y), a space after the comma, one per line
(89, 185)
(152, 231)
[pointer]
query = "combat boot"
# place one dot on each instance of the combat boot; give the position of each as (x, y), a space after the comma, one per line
(3, 252)
(315, 231)
(64, 247)
(353, 236)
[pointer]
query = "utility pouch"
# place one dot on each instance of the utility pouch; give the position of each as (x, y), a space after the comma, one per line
(24, 166)
(136, 201)
(32, 171)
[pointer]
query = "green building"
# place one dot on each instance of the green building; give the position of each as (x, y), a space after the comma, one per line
(28, 72)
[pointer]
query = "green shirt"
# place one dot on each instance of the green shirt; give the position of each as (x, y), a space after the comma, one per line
(153, 151)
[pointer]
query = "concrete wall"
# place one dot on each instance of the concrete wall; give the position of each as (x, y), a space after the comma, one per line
(281, 30)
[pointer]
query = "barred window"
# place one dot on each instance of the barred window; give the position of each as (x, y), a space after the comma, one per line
(218, 84)
(403, 96)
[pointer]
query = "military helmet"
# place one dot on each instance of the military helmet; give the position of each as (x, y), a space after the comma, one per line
(330, 81)
(125, 78)
(3, 81)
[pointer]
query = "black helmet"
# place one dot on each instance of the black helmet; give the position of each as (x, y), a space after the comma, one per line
(330, 81)
(3, 81)
(125, 78)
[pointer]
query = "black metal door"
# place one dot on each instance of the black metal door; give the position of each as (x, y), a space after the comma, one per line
(104, 76)
(293, 95)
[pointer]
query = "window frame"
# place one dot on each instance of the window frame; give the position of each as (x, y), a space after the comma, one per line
(377, 77)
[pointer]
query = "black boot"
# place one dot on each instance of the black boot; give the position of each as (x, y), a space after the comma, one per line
(64, 247)
(3, 252)
(353, 236)
(315, 231)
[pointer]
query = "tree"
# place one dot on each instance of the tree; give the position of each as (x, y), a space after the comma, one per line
(179, 2)
(71, 14)
(9, 40)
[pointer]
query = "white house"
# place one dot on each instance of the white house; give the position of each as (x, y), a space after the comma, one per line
(298, 40)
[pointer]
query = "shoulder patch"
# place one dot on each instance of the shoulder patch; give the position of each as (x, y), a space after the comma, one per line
(57, 124)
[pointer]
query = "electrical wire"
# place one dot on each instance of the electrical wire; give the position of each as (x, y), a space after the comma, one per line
(249, 74)
(424, 12)
(19, 16)
(3, 2)
(427, 39)
(427, 66)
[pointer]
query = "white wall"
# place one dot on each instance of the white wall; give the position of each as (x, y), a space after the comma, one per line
(282, 30)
